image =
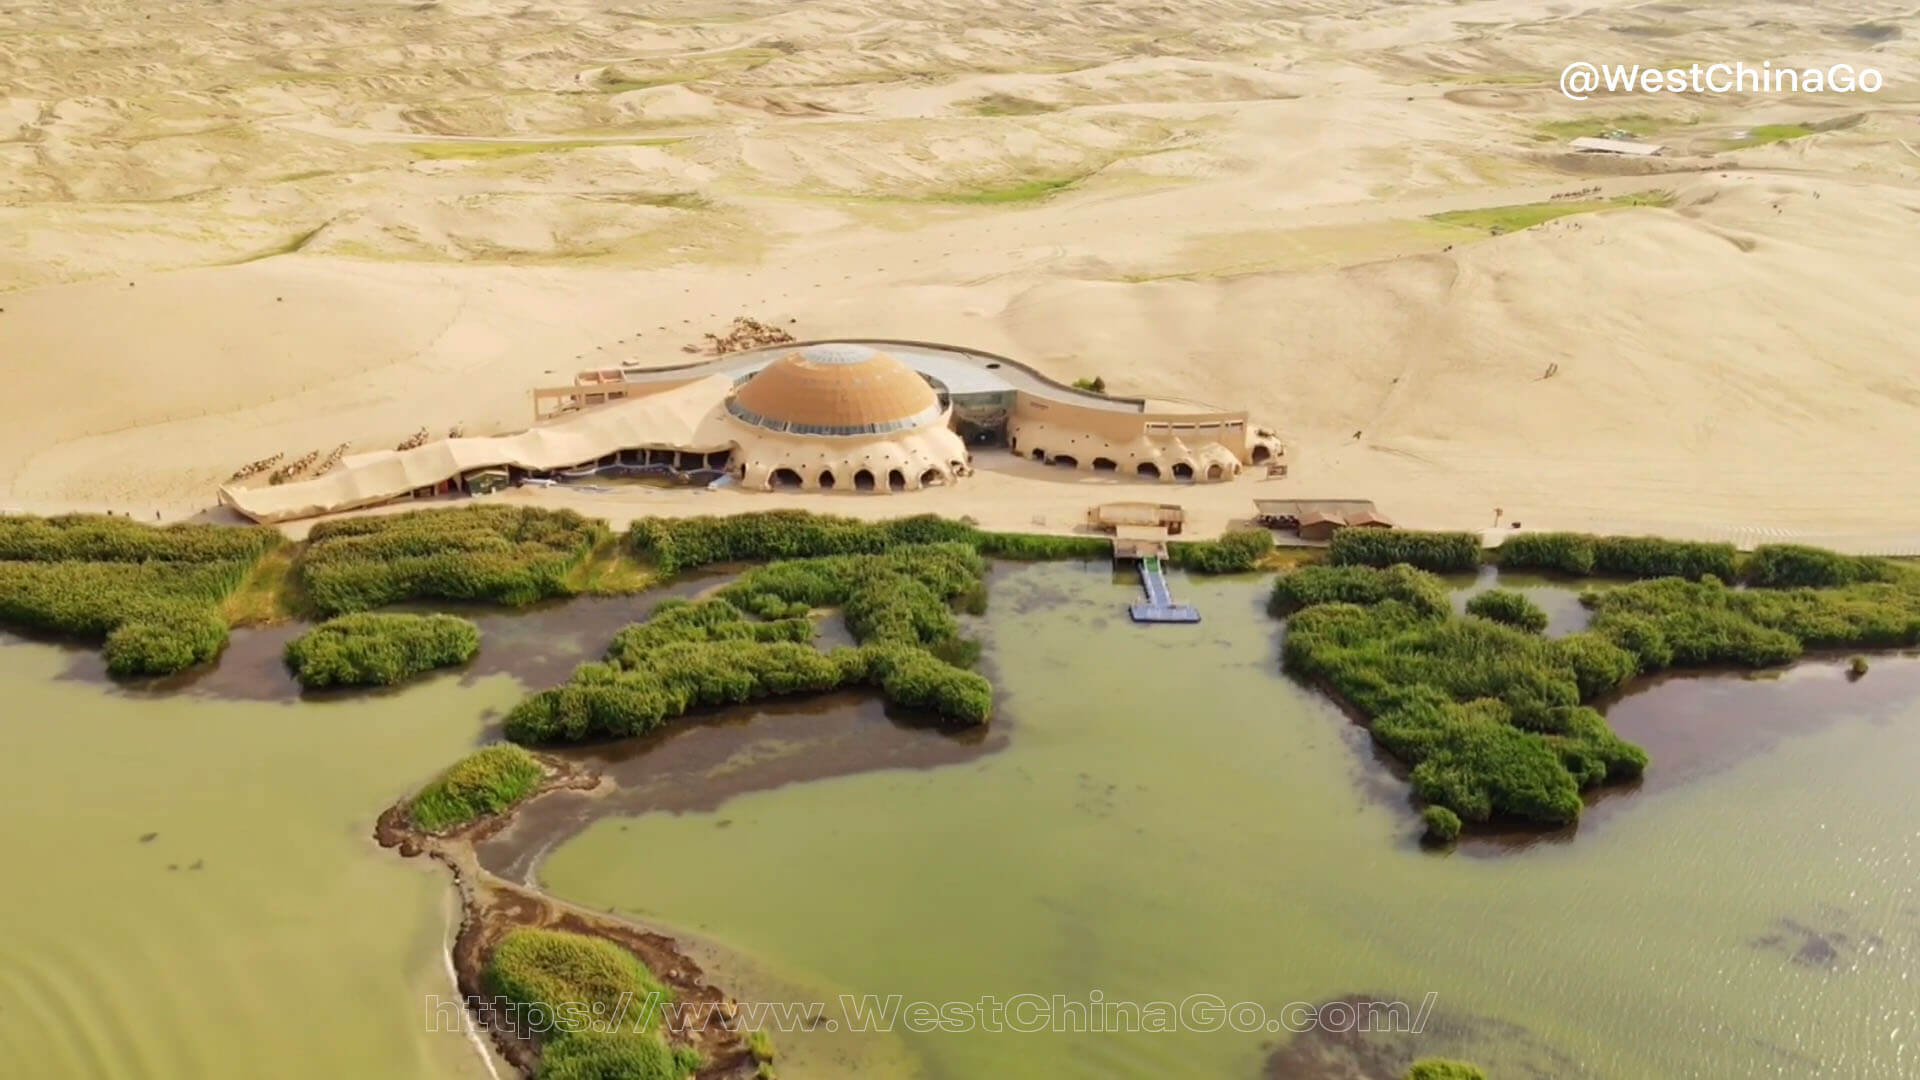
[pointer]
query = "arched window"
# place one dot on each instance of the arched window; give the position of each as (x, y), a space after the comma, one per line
(1213, 472)
(1101, 464)
(1260, 453)
(931, 477)
(1068, 460)
(784, 478)
(896, 480)
(1182, 471)
(826, 480)
(1148, 469)
(863, 480)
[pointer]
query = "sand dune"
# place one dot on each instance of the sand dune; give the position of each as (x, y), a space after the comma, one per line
(233, 231)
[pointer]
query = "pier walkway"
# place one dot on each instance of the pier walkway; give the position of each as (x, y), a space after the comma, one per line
(1159, 607)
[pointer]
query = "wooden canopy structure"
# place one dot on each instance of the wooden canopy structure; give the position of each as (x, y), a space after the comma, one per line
(1112, 516)
(1317, 519)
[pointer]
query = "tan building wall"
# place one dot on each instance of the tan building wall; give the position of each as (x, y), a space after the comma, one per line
(1164, 446)
(897, 461)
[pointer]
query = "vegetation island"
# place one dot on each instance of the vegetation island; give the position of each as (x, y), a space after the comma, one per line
(1494, 719)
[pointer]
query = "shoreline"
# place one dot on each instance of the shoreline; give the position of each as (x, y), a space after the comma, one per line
(491, 907)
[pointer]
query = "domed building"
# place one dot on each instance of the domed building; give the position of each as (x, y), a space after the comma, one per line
(838, 416)
(842, 416)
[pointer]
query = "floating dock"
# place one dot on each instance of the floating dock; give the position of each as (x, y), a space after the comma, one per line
(1140, 531)
(1159, 607)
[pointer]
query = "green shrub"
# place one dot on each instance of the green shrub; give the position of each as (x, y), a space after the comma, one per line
(1652, 557)
(1857, 666)
(917, 679)
(1600, 665)
(487, 781)
(1443, 825)
(1556, 552)
(1440, 552)
(689, 655)
(1693, 624)
(495, 554)
(1788, 565)
(1488, 717)
(379, 649)
(163, 642)
(1495, 721)
(760, 1045)
(1439, 1069)
(561, 972)
(151, 595)
(1509, 607)
(97, 538)
(902, 594)
(1236, 552)
(1617, 556)
(679, 544)
(1034, 547)
(614, 1055)
(1559, 552)
(1311, 585)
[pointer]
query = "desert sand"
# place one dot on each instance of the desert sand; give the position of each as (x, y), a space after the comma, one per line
(232, 230)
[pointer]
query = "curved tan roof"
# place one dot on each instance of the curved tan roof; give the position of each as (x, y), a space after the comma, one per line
(836, 390)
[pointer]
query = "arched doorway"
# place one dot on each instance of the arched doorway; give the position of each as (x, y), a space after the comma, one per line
(896, 480)
(931, 477)
(826, 480)
(1260, 453)
(1148, 469)
(1068, 460)
(784, 478)
(863, 480)
(1101, 464)
(1182, 471)
(1213, 472)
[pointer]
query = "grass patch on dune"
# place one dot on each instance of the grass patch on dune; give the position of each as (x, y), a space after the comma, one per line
(1496, 220)
(1765, 134)
(1631, 123)
(482, 150)
(666, 200)
(1007, 105)
(1024, 192)
(614, 80)
(1513, 78)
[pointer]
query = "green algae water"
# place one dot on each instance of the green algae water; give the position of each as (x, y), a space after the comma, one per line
(192, 890)
(1170, 816)
(1157, 813)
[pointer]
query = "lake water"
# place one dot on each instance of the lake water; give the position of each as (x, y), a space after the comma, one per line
(1171, 817)
(1156, 813)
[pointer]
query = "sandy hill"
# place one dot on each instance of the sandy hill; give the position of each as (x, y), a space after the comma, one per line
(322, 223)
